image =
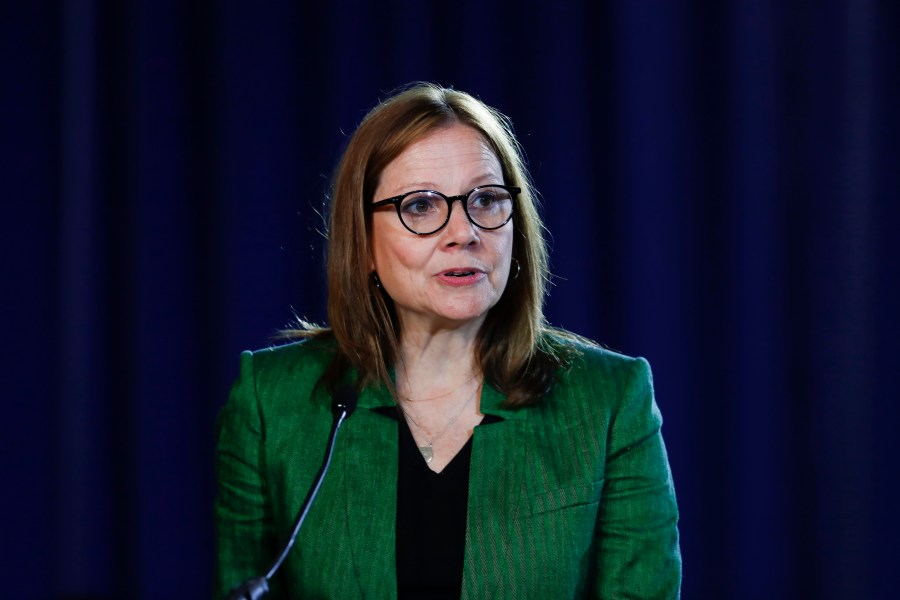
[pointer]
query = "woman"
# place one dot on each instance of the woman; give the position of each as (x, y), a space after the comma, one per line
(490, 456)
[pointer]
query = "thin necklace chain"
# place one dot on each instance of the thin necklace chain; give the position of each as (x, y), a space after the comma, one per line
(441, 395)
(427, 450)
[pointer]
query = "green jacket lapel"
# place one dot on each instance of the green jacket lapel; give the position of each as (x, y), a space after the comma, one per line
(370, 466)
(495, 479)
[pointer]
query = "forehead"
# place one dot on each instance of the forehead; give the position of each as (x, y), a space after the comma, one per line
(454, 148)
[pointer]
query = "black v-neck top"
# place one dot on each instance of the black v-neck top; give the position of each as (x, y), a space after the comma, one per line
(431, 518)
(431, 522)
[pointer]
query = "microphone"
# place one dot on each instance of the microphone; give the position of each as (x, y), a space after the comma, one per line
(343, 403)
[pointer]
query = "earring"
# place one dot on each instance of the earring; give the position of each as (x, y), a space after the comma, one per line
(518, 267)
(374, 277)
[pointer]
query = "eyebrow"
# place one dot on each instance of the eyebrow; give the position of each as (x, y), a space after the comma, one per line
(487, 178)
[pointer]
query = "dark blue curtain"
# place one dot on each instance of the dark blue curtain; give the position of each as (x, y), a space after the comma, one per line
(719, 179)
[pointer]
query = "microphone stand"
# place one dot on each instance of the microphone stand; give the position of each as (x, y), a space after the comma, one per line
(342, 406)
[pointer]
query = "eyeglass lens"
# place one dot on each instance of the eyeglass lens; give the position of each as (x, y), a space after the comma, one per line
(425, 212)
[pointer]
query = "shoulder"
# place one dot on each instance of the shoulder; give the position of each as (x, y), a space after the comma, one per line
(580, 357)
(276, 377)
(593, 375)
(304, 357)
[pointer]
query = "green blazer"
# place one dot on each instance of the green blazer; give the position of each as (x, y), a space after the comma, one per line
(571, 498)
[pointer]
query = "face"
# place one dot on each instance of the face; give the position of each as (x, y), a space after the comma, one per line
(453, 276)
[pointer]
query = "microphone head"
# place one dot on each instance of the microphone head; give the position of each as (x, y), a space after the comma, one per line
(344, 400)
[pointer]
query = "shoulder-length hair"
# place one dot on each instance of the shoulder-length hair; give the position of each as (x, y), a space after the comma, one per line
(512, 349)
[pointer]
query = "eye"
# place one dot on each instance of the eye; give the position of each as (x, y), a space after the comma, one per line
(482, 199)
(488, 198)
(419, 204)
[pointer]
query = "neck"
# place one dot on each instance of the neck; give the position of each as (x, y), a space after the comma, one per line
(420, 335)
(438, 383)
(431, 365)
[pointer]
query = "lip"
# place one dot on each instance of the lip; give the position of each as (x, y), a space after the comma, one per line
(474, 275)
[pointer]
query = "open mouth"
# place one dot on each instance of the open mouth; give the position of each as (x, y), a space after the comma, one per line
(459, 273)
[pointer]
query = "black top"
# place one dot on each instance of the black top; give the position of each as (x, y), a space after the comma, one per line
(431, 522)
(431, 519)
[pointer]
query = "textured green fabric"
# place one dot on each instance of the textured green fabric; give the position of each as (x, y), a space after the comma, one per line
(572, 498)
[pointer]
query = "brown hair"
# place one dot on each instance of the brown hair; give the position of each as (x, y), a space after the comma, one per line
(512, 348)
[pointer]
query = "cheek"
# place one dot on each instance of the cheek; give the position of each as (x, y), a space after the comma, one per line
(505, 247)
(397, 258)
(503, 260)
(382, 245)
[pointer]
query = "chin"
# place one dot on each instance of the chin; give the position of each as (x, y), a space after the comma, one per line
(465, 314)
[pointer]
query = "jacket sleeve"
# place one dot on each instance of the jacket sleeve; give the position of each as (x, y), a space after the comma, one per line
(637, 536)
(243, 518)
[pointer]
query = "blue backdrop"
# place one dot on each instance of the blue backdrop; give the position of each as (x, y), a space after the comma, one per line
(719, 178)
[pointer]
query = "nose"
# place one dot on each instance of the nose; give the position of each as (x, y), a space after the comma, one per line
(460, 230)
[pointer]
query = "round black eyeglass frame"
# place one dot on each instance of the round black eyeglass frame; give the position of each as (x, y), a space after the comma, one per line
(396, 200)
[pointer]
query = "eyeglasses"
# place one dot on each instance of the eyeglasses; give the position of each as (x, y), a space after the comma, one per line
(424, 212)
